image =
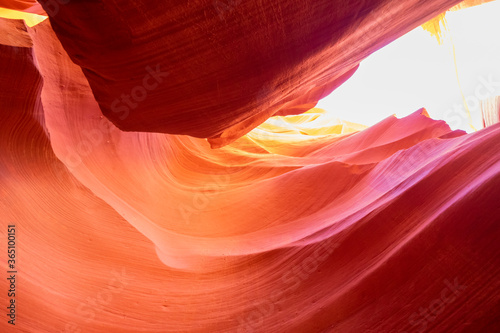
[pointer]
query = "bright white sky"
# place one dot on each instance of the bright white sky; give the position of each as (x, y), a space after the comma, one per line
(415, 71)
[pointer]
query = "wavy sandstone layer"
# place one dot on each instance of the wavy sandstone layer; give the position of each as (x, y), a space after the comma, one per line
(29, 6)
(490, 111)
(217, 69)
(305, 224)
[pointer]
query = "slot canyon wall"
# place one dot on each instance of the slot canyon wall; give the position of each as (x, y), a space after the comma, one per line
(152, 192)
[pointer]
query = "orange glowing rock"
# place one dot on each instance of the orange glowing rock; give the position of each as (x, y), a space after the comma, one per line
(307, 223)
(29, 18)
(27, 6)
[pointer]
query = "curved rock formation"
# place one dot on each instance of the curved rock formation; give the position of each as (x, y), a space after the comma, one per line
(217, 69)
(306, 224)
(28, 6)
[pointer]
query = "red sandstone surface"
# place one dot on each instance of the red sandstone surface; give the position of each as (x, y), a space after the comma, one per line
(130, 221)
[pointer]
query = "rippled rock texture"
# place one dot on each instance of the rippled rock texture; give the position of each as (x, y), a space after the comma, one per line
(305, 224)
(219, 68)
(490, 111)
